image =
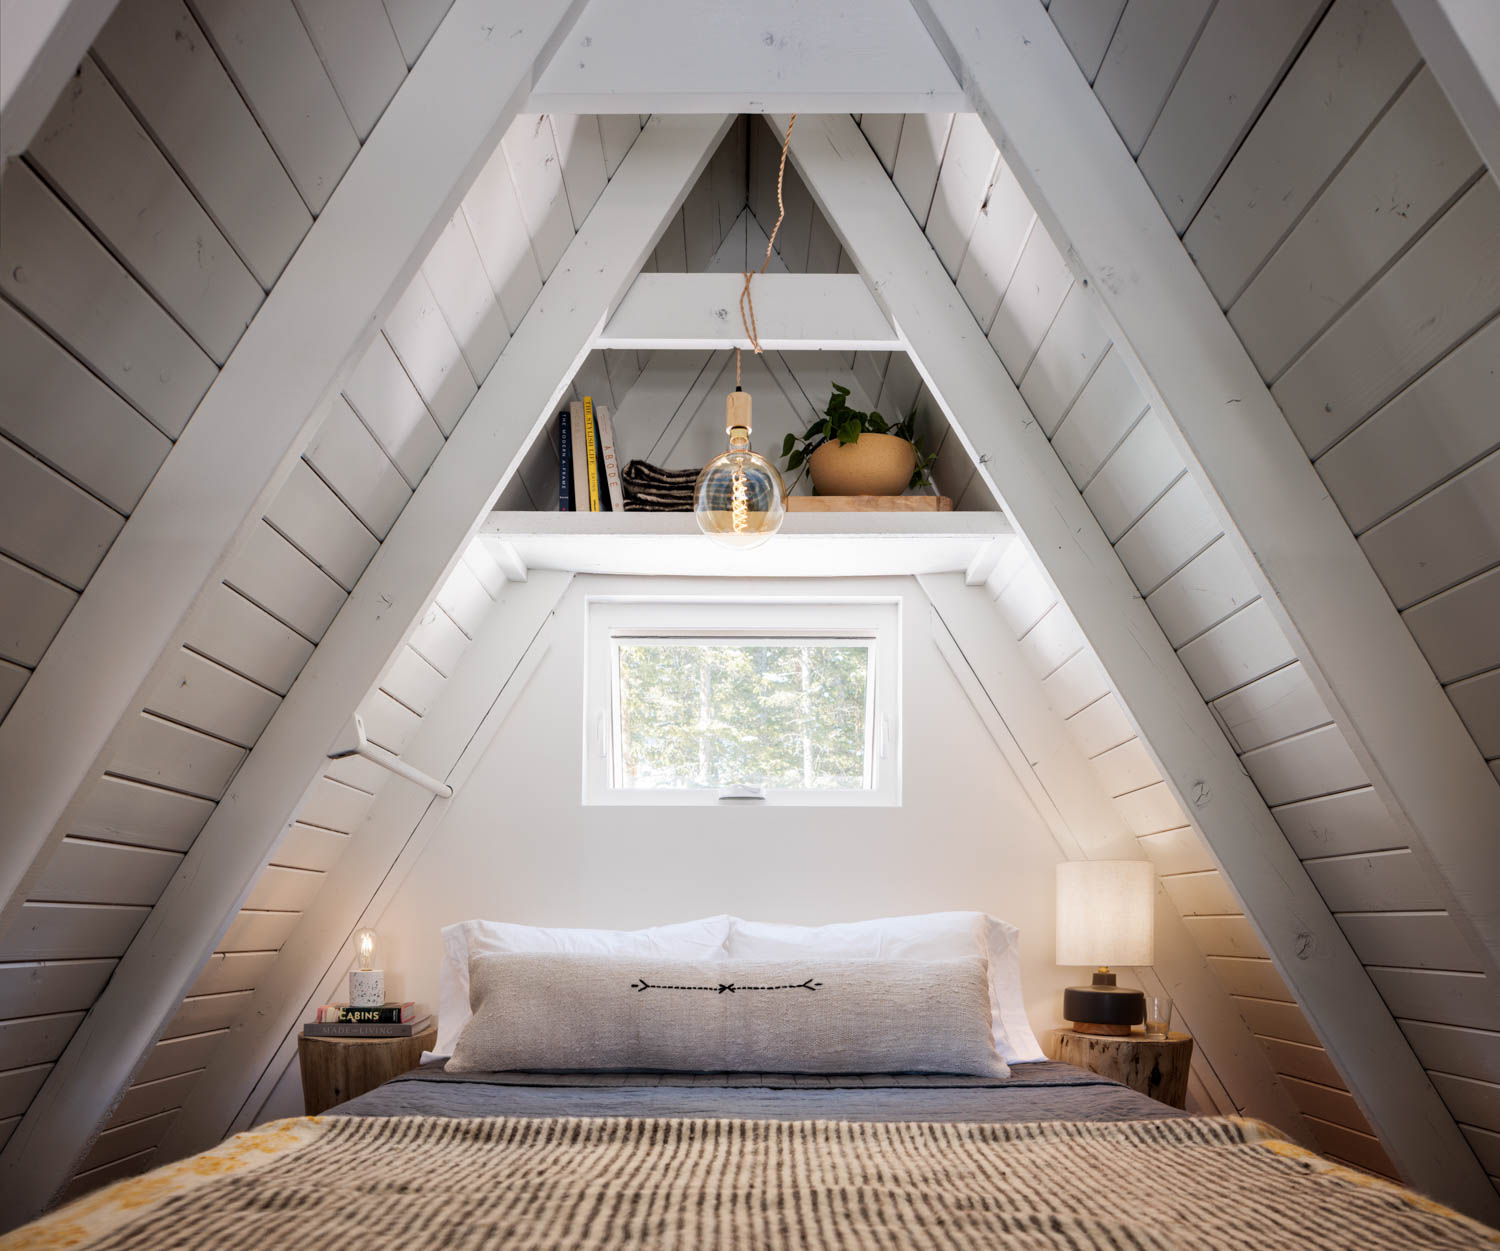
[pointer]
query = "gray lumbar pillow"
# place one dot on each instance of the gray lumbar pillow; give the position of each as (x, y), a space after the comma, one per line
(569, 1011)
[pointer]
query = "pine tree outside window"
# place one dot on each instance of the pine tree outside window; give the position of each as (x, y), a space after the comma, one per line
(796, 701)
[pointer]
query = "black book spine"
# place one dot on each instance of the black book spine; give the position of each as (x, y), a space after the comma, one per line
(564, 463)
(605, 503)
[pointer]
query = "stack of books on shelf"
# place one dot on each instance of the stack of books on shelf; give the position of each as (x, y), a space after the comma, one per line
(389, 1020)
(588, 473)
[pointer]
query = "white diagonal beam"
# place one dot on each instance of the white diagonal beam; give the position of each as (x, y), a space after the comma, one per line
(447, 743)
(1460, 41)
(1066, 791)
(1268, 497)
(793, 312)
(40, 47)
(444, 513)
(967, 379)
(685, 56)
(249, 429)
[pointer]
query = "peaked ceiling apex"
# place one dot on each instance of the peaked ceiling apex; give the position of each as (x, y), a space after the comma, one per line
(682, 56)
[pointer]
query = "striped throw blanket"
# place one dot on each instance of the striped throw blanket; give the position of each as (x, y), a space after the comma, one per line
(649, 488)
(387, 1184)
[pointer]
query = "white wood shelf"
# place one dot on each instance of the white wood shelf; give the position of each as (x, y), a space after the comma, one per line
(807, 545)
(925, 524)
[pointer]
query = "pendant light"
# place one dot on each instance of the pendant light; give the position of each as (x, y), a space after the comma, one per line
(740, 499)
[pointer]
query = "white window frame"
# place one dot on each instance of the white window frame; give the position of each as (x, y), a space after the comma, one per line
(611, 621)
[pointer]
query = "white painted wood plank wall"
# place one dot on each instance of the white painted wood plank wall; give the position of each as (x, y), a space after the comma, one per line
(1353, 238)
(337, 804)
(258, 629)
(69, 246)
(1045, 331)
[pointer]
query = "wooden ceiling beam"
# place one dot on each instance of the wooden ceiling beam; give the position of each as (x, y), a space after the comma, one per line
(682, 56)
(793, 312)
(1065, 789)
(443, 123)
(428, 539)
(40, 48)
(309, 967)
(1266, 494)
(1460, 41)
(969, 382)
(250, 428)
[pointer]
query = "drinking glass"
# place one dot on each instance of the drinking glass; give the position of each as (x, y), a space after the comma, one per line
(1158, 1016)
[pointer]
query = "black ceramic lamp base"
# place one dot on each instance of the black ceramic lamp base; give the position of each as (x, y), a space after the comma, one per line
(1103, 1008)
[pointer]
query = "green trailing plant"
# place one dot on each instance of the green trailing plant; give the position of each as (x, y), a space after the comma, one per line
(845, 424)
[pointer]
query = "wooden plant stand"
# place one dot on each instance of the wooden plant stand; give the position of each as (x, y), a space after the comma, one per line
(869, 504)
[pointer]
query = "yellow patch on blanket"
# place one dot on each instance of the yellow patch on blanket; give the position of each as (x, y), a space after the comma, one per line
(96, 1214)
(1262, 1135)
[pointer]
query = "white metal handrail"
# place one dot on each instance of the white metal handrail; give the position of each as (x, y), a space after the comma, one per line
(357, 743)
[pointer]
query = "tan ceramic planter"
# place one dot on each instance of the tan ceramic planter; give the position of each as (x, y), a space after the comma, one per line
(874, 464)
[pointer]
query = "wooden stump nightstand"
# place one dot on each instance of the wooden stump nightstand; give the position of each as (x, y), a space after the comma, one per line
(336, 1069)
(1154, 1066)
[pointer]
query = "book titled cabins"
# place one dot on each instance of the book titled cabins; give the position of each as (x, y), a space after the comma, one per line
(588, 471)
(384, 1014)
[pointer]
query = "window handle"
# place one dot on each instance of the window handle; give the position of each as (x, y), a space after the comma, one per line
(883, 738)
(603, 725)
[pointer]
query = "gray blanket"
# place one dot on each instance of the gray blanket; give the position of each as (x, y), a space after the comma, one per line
(1034, 1092)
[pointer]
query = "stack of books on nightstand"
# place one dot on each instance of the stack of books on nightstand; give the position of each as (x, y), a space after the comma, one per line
(389, 1020)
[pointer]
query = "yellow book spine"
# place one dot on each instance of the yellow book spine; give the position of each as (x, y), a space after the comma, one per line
(591, 443)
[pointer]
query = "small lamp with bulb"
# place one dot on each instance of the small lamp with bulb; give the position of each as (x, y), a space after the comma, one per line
(366, 982)
(1105, 916)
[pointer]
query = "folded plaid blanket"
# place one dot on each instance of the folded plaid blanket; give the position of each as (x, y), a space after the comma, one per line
(649, 488)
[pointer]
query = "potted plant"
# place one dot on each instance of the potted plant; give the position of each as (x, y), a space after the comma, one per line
(853, 453)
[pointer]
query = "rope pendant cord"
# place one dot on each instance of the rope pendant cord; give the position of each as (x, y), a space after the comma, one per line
(747, 301)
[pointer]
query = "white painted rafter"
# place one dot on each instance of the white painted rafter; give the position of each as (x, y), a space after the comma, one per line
(448, 743)
(793, 312)
(40, 48)
(248, 431)
(684, 56)
(1265, 493)
(1065, 789)
(966, 377)
(520, 393)
(1460, 41)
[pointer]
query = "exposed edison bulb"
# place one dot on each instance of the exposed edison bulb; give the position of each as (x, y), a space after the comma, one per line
(364, 948)
(740, 499)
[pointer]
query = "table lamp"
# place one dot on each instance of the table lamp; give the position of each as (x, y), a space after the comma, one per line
(1104, 917)
(366, 983)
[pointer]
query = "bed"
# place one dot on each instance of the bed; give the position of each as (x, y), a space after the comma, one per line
(577, 1110)
(1042, 1091)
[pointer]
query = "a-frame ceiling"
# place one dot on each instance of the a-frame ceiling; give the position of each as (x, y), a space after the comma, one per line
(1342, 890)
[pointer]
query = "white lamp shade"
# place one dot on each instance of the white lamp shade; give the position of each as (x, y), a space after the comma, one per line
(1105, 912)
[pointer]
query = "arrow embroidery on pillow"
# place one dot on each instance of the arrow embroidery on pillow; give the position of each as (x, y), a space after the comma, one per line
(723, 988)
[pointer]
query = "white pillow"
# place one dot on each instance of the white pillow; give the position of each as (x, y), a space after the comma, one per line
(802, 1014)
(933, 936)
(687, 940)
